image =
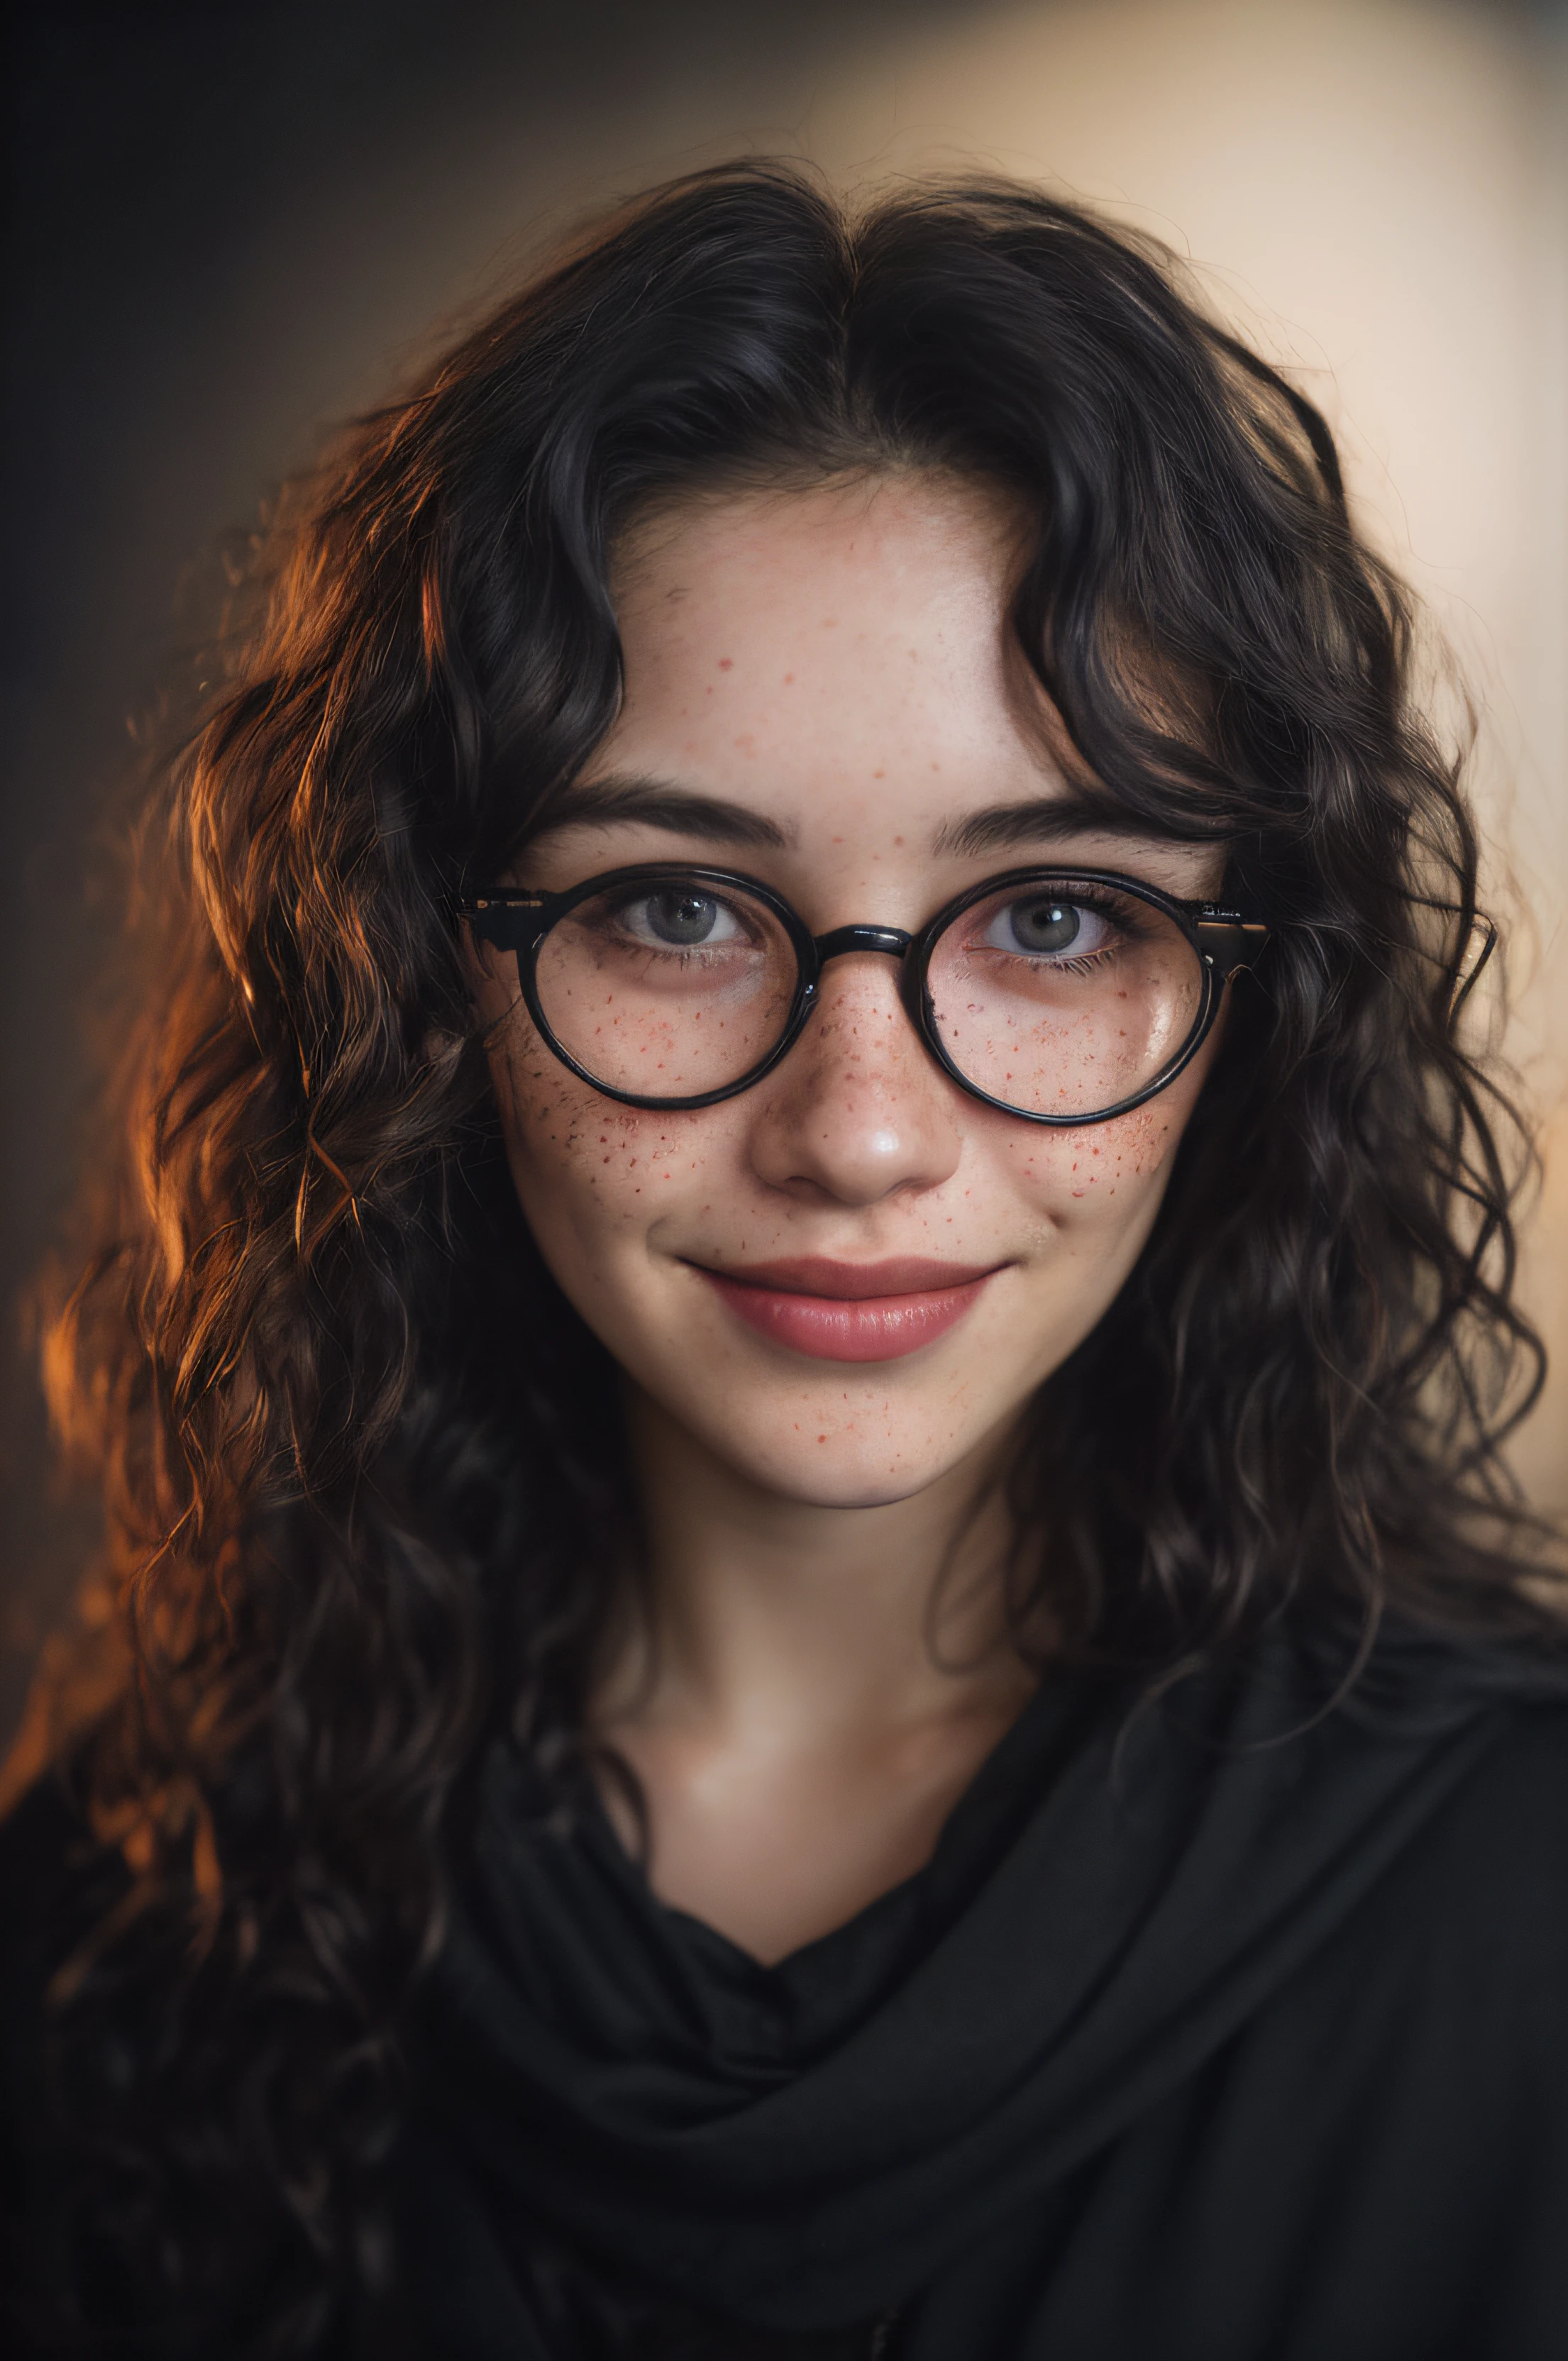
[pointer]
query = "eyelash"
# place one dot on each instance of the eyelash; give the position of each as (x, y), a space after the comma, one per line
(1084, 966)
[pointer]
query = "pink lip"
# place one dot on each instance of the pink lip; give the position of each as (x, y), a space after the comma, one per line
(850, 1311)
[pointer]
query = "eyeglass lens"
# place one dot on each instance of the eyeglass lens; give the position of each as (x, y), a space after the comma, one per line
(667, 990)
(1063, 999)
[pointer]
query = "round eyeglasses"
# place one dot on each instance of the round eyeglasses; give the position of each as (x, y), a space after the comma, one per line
(1060, 995)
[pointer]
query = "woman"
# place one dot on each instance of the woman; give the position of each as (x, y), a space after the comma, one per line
(820, 1651)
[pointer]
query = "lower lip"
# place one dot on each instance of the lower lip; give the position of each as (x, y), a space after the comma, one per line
(851, 1328)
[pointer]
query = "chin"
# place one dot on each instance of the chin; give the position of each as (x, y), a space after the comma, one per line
(845, 1471)
(811, 1489)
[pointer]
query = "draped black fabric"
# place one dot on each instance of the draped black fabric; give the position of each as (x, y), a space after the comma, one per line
(1217, 2029)
(1224, 2028)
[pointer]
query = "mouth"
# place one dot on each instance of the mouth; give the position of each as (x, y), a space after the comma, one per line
(850, 1311)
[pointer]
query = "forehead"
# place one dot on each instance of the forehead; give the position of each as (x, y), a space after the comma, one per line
(780, 643)
(836, 668)
(917, 543)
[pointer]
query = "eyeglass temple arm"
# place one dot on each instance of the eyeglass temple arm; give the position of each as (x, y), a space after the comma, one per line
(513, 924)
(1227, 940)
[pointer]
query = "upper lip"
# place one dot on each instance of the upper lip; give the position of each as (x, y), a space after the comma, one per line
(818, 1275)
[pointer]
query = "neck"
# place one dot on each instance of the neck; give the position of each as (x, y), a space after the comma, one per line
(763, 1612)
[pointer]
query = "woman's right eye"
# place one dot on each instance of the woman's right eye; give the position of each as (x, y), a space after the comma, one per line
(679, 918)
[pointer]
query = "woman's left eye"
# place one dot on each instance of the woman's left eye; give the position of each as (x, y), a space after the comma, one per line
(1044, 927)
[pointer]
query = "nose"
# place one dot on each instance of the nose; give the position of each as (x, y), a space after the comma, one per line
(859, 1111)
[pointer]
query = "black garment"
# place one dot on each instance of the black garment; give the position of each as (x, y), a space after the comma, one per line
(1196, 2041)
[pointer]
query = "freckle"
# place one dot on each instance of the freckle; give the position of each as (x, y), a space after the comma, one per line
(879, 774)
(822, 1438)
(898, 839)
(789, 680)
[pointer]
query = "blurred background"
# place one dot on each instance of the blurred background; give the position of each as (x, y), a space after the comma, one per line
(231, 225)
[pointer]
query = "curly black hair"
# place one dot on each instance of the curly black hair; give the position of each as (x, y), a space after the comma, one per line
(366, 1490)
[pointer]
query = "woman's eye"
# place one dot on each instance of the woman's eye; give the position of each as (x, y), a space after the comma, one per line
(1042, 926)
(678, 919)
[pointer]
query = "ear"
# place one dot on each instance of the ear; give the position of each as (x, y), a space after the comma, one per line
(489, 973)
(442, 1049)
(481, 958)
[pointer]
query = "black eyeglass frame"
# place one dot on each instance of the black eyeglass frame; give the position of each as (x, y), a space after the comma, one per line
(1224, 939)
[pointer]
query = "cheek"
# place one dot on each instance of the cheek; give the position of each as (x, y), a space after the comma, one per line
(1109, 1178)
(584, 1164)
(1105, 1172)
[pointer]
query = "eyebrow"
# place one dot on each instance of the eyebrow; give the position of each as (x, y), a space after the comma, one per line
(657, 803)
(1004, 828)
(681, 811)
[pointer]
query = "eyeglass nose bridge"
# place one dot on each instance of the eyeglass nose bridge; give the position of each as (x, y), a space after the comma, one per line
(842, 939)
(891, 942)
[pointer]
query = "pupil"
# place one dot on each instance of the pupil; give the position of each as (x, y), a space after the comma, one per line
(1045, 925)
(682, 917)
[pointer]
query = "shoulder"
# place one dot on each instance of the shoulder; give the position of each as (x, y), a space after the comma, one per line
(1483, 1730)
(1499, 1850)
(1439, 2017)
(1433, 1803)
(1462, 1940)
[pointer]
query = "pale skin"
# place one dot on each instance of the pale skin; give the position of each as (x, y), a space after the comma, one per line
(831, 671)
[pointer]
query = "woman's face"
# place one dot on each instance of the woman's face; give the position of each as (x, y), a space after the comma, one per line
(821, 690)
